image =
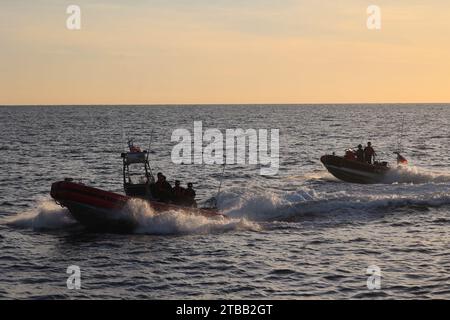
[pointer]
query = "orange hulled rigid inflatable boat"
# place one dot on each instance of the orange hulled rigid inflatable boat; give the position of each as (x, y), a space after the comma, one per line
(102, 210)
(351, 170)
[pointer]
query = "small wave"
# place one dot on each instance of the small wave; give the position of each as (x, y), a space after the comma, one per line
(287, 206)
(376, 203)
(261, 205)
(285, 271)
(180, 222)
(412, 174)
(47, 215)
(322, 175)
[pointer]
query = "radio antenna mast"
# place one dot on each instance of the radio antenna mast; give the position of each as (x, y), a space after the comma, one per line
(400, 138)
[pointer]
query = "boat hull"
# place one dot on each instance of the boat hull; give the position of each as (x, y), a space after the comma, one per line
(98, 219)
(101, 210)
(354, 171)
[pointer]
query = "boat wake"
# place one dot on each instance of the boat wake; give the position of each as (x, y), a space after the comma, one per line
(178, 222)
(400, 174)
(247, 208)
(323, 176)
(412, 174)
(49, 216)
(290, 206)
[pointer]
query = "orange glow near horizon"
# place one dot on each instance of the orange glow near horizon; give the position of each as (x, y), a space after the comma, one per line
(140, 52)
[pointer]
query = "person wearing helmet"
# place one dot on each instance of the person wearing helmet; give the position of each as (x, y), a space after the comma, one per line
(350, 155)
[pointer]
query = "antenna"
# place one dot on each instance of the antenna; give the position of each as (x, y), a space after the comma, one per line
(220, 185)
(221, 179)
(124, 139)
(400, 138)
(150, 144)
(148, 154)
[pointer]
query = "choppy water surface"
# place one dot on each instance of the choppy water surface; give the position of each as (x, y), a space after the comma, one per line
(300, 234)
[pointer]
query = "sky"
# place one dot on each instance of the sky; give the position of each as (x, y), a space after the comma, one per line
(224, 51)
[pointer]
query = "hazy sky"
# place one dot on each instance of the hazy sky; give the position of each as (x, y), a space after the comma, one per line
(224, 51)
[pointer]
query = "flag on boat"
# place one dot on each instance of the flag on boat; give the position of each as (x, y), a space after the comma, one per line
(401, 159)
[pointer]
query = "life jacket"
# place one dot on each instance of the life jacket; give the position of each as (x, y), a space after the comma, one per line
(178, 191)
(360, 154)
(368, 151)
(190, 193)
(350, 155)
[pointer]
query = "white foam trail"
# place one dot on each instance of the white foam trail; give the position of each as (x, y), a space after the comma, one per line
(412, 174)
(180, 222)
(47, 215)
(267, 206)
(372, 203)
(397, 174)
(246, 207)
(261, 205)
(318, 175)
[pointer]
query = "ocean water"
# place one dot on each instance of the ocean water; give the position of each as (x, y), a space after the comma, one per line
(301, 234)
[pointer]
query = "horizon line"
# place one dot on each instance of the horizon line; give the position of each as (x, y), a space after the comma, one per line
(216, 104)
